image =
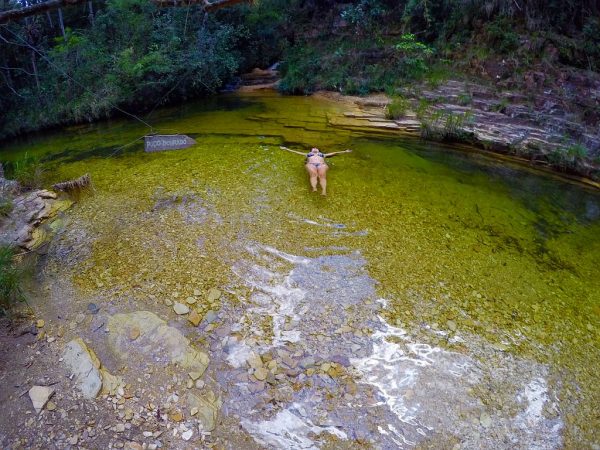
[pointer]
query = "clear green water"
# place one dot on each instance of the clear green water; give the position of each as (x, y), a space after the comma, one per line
(453, 239)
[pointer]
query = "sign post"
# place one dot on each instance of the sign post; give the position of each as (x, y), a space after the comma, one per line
(160, 142)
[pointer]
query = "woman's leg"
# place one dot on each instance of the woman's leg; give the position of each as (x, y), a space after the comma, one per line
(313, 174)
(322, 173)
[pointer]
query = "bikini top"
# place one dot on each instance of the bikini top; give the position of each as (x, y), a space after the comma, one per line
(308, 155)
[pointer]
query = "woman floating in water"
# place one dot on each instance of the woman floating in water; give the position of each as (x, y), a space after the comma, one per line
(316, 166)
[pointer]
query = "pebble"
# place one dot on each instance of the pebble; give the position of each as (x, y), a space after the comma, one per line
(74, 439)
(307, 362)
(194, 318)
(120, 427)
(40, 323)
(168, 302)
(213, 295)
(255, 361)
(194, 375)
(190, 300)
(194, 411)
(176, 416)
(51, 406)
(200, 384)
(485, 420)
(256, 387)
(39, 396)
(180, 308)
(261, 374)
(210, 316)
(93, 308)
(187, 435)
(134, 333)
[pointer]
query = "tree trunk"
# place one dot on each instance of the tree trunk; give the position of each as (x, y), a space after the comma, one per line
(91, 12)
(35, 72)
(61, 23)
(49, 17)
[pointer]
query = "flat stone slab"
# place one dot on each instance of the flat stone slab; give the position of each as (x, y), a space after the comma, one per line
(39, 396)
(85, 365)
(157, 343)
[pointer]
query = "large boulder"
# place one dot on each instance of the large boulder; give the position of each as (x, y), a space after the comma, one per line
(143, 338)
(31, 223)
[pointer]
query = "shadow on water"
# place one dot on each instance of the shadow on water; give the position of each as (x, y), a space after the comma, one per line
(547, 197)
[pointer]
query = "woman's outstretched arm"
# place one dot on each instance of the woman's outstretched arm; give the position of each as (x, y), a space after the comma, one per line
(293, 151)
(329, 155)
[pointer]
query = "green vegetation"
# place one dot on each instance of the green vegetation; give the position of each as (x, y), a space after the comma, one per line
(570, 157)
(465, 99)
(439, 125)
(28, 171)
(132, 56)
(6, 207)
(10, 278)
(397, 108)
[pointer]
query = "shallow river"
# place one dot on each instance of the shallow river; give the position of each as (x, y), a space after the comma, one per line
(434, 299)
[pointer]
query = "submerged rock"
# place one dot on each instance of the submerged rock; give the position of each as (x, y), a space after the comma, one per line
(180, 308)
(157, 342)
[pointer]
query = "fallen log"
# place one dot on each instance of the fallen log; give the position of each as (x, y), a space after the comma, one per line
(78, 184)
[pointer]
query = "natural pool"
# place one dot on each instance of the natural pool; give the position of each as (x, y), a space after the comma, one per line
(448, 300)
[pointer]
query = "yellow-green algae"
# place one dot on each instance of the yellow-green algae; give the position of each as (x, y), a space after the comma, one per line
(454, 241)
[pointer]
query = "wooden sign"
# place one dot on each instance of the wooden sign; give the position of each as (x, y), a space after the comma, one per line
(160, 142)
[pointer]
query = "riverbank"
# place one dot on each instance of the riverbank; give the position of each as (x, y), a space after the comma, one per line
(504, 125)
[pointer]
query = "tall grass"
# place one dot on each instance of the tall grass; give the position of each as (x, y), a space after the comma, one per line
(397, 108)
(11, 276)
(28, 171)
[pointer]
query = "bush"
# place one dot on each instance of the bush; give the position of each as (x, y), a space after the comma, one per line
(28, 171)
(6, 207)
(10, 278)
(413, 56)
(500, 35)
(570, 157)
(445, 126)
(397, 108)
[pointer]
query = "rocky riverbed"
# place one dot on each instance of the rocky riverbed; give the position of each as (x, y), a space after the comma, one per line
(204, 299)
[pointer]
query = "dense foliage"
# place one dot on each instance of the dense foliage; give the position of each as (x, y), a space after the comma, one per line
(130, 55)
(371, 45)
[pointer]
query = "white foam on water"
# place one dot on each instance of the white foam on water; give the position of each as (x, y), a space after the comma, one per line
(535, 394)
(277, 297)
(387, 369)
(288, 430)
(238, 354)
(294, 259)
(414, 379)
